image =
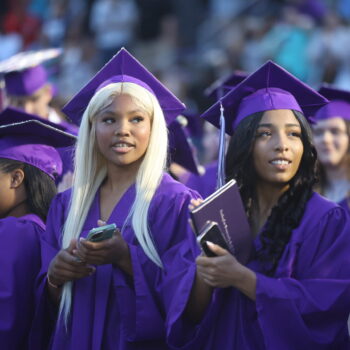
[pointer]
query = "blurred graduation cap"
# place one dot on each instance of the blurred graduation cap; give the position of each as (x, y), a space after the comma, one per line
(339, 105)
(32, 141)
(123, 67)
(14, 115)
(270, 87)
(24, 73)
(222, 86)
(181, 149)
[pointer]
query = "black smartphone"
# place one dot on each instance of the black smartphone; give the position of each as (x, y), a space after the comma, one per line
(211, 232)
(101, 233)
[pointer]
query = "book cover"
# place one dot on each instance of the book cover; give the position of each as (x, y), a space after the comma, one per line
(225, 207)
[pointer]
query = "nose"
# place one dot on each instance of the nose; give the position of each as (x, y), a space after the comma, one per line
(122, 128)
(281, 144)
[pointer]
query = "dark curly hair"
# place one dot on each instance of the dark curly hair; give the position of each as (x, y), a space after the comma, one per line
(40, 187)
(287, 213)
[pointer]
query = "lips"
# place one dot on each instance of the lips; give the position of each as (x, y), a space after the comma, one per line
(122, 146)
(280, 161)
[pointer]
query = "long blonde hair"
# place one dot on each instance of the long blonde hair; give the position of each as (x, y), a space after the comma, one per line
(91, 170)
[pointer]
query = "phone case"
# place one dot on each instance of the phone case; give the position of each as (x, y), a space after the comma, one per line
(101, 233)
(211, 232)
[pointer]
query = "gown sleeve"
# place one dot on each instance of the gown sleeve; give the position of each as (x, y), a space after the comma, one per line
(309, 309)
(145, 300)
(45, 311)
(20, 263)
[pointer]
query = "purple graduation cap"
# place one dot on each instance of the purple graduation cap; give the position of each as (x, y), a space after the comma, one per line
(32, 142)
(339, 105)
(222, 86)
(123, 67)
(180, 146)
(24, 74)
(270, 87)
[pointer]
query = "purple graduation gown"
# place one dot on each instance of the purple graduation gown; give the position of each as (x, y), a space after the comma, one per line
(19, 266)
(305, 306)
(345, 203)
(204, 184)
(110, 310)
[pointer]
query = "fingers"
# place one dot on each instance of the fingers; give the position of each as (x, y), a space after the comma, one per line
(101, 222)
(195, 203)
(72, 245)
(219, 251)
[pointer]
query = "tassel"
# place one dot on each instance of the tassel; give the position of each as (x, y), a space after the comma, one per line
(222, 147)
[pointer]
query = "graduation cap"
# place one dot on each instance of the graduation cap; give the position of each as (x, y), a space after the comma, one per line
(270, 87)
(32, 142)
(222, 86)
(123, 67)
(15, 115)
(24, 73)
(339, 105)
(181, 148)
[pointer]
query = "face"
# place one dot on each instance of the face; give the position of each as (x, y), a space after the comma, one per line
(7, 197)
(38, 103)
(331, 141)
(122, 132)
(278, 147)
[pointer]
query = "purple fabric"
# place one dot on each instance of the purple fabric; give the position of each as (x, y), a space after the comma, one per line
(264, 100)
(222, 86)
(334, 109)
(345, 203)
(43, 157)
(339, 105)
(25, 82)
(268, 77)
(125, 79)
(304, 306)
(123, 64)
(181, 148)
(110, 311)
(204, 184)
(20, 263)
(31, 139)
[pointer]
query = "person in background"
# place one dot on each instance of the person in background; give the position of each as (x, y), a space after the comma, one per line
(332, 141)
(29, 164)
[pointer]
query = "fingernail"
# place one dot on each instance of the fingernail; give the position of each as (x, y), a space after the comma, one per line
(210, 243)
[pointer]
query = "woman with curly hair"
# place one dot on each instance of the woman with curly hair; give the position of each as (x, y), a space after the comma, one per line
(295, 291)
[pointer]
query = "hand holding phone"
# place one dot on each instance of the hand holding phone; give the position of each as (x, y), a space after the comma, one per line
(211, 232)
(101, 233)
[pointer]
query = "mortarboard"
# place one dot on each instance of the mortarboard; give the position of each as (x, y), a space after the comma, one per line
(123, 67)
(270, 87)
(222, 86)
(32, 142)
(180, 146)
(24, 73)
(339, 105)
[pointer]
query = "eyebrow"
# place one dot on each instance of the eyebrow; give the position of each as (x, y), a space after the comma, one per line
(106, 111)
(269, 125)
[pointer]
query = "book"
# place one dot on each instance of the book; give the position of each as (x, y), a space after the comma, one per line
(225, 207)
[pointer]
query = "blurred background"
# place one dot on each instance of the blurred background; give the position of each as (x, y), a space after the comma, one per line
(188, 44)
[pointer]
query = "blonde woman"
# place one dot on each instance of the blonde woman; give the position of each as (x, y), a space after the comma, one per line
(114, 294)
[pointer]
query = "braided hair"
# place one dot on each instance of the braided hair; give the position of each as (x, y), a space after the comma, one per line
(287, 213)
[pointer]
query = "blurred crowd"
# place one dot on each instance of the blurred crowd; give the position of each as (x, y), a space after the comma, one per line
(188, 44)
